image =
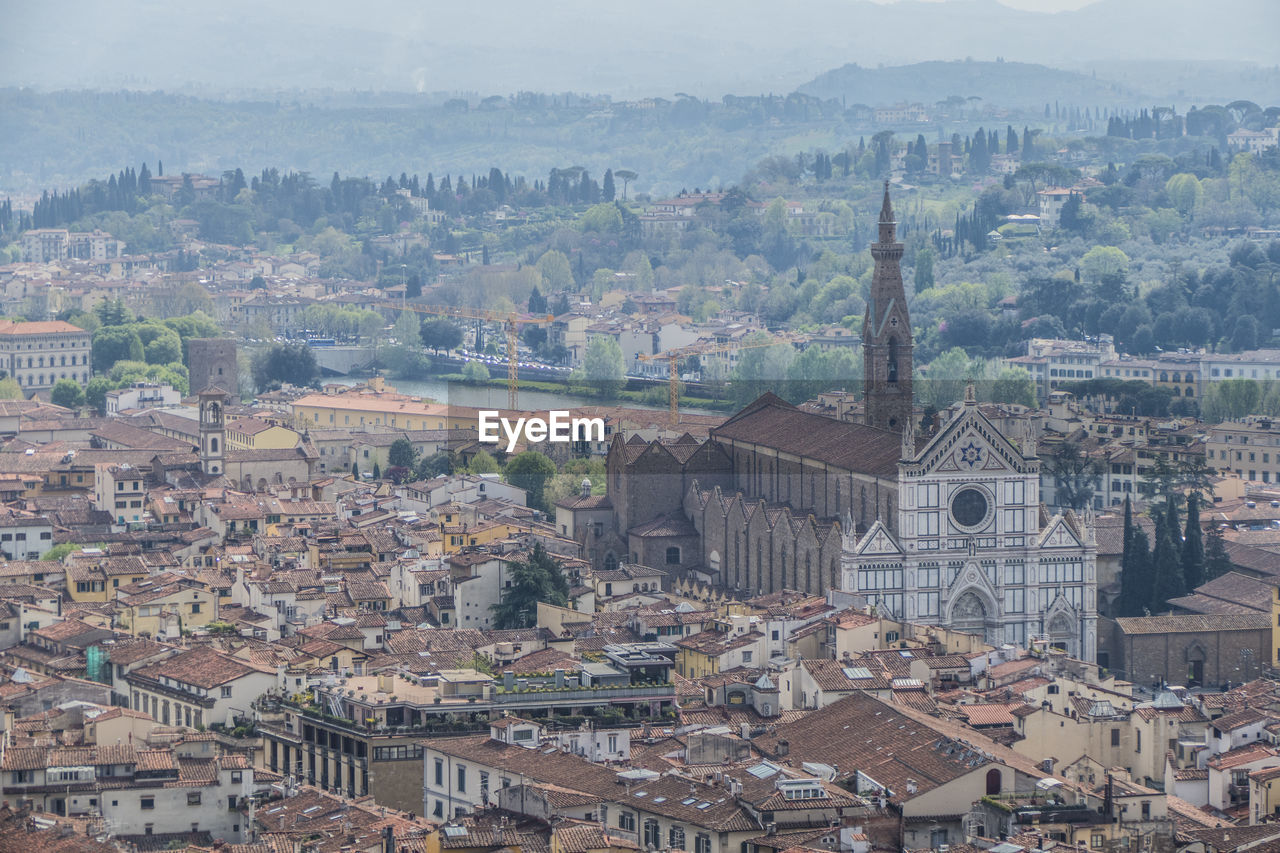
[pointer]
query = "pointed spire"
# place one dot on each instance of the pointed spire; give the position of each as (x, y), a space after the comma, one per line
(970, 392)
(909, 439)
(886, 209)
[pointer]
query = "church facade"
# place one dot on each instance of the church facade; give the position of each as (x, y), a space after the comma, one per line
(974, 549)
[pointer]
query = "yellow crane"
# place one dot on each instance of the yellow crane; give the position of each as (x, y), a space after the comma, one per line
(511, 322)
(673, 357)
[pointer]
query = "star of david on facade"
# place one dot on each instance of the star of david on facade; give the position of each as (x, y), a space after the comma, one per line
(971, 454)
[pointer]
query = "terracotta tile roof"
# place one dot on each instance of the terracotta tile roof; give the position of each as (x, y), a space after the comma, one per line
(989, 714)
(201, 667)
(878, 739)
(585, 837)
(1242, 755)
(1193, 623)
(831, 675)
(772, 422)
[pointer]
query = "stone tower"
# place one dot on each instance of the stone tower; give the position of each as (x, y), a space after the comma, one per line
(213, 430)
(211, 363)
(886, 333)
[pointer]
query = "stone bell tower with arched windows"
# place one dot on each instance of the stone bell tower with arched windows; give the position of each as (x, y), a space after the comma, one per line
(886, 333)
(213, 430)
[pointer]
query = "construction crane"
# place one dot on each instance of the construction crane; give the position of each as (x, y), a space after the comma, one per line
(511, 322)
(673, 357)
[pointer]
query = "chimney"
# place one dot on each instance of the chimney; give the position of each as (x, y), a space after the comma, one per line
(784, 748)
(585, 489)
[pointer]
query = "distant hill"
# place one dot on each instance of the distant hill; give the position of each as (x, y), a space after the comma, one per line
(1007, 84)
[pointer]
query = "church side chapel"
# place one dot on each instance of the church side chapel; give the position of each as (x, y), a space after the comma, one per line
(944, 529)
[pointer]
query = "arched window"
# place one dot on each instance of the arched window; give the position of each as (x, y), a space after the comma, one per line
(610, 562)
(213, 444)
(993, 782)
(893, 359)
(673, 556)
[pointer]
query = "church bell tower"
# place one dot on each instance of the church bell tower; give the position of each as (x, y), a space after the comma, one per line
(213, 431)
(886, 333)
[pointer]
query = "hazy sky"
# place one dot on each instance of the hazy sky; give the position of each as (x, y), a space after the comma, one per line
(624, 48)
(1028, 5)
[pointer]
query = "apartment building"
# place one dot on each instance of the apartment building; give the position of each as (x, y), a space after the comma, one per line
(38, 354)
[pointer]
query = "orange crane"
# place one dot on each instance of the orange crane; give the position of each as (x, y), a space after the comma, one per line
(510, 320)
(673, 357)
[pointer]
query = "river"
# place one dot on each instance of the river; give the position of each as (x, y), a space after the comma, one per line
(489, 396)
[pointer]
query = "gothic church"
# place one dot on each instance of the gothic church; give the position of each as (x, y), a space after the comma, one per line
(946, 529)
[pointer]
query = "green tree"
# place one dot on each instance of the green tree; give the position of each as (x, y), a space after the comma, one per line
(603, 217)
(1193, 546)
(1076, 475)
(435, 465)
(474, 371)
(1101, 261)
(163, 347)
(760, 369)
(10, 389)
(377, 471)
(112, 312)
(626, 176)
(924, 269)
(482, 463)
(292, 363)
(113, 343)
(942, 382)
(1166, 564)
(440, 334)
(402, 454)
(95, 393)
(603, 368)
(1135, 569)
(531, 471)
(539, 578)
(816, 370)
(555, 270)
(1161, 483)
(1230, 399)
(1216, 560)
(67, 393)
(1185, 192)
(407, 330)
(607, 189)
(1014, 385)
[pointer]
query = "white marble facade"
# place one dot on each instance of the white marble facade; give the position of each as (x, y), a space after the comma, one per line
(975, 550)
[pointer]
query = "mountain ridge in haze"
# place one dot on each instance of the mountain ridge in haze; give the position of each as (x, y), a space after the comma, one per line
(1007, 84)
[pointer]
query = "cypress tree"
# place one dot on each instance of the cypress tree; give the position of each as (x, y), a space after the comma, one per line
(1129, 602)
(1193, 545)
(1167, 568)
(1216, 561)
(1140, 574)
